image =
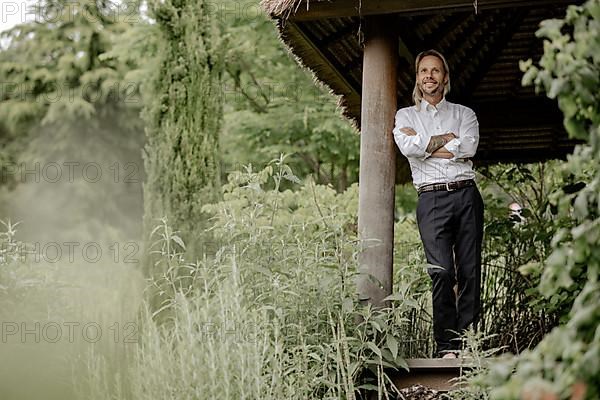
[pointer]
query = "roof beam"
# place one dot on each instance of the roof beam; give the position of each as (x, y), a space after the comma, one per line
(311, 9)
(496, 42)
(326, 59)
(405, 52)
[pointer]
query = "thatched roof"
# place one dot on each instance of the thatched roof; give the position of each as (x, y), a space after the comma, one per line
(282, 8)
(483, 47)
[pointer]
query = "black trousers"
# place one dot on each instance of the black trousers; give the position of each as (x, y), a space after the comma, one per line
(451, 228)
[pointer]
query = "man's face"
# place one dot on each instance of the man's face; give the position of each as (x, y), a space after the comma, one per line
(431, 77)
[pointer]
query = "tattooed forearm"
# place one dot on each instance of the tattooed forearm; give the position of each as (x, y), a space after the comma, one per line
(437, 141)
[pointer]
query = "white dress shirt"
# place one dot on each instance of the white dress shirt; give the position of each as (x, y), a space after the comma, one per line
(436, 120)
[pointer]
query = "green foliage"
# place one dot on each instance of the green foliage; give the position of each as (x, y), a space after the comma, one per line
(516, 316)
(565, 364)
(272, 107)
(568, 70)
(184, 117)
(567, 63)
(283, 264)
(64, 100)
(54, 70)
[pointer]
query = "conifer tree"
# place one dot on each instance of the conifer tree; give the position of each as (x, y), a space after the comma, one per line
(183, 119)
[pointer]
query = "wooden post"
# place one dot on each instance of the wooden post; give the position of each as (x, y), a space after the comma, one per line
(377, 160)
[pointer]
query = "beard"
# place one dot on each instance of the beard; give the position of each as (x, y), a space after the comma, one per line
(432, 90)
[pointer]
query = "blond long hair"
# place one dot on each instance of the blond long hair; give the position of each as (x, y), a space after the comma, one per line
(417, 92)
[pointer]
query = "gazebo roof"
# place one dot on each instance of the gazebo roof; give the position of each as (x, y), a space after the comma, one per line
(483, 44)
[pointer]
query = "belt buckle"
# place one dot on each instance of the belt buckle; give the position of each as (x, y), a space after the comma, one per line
(448, 187)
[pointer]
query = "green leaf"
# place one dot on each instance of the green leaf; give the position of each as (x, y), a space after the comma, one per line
(402, 363)
(557, 87)
(432, 267)
(524, 65)
(550, 28)
(581, 205)
(178, 240)
(529, 268)
(368, 386)
(392, 344)
(568, 106)
(529, 76)
(394, 296)
(347, 305)
(373, 347)
(575, 129)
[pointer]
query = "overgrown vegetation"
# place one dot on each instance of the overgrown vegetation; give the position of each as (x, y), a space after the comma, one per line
(259, 301)
(515, 316)
(565, 363)
(272, 314)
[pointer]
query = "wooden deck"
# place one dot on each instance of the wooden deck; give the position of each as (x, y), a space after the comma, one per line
(435, 373)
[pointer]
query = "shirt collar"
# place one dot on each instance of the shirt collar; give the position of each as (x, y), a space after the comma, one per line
(440, 106)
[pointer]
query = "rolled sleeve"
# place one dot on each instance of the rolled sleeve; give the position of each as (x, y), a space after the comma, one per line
(453, 147)
(409, 146)
(466, 144)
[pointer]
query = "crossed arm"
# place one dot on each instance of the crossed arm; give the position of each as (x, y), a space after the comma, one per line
(436, 143)
(448, 145)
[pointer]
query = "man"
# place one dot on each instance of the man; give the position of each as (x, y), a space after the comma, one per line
(438, 138)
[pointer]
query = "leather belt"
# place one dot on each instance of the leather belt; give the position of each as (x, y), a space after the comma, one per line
(449, 187)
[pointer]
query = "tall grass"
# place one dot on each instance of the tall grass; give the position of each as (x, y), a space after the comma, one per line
(269, 312)
(222, 344)
(41, 356)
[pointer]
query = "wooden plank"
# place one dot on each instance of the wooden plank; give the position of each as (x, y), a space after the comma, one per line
(377, 161)
(438, 363)
(434, 373)
(311, 9)
(443, 381)
(496, 40)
